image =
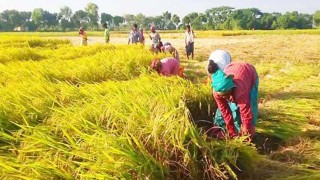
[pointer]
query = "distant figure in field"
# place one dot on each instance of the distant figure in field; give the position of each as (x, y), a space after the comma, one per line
(168, 48)
(83, 35)
(156, 40)
(235, 90)
(106, 33)
(167, 67)
(135, 35)
(189, 41)
(142, 36)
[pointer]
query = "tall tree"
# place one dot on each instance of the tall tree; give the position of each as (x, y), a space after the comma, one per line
(293, 19)
(305, 21)
(198, 22)
(192, 19)
(176, 20)
(282, 22)
(166, 19)
(218, 16)
(25, 16)
(92, 11)
(37, 16)
(106, 18)
(186, 20)
(129, 19)
(266, 20)
(140, 19)
(158, 22)
(79, 18)
(49, 19)
(13, 18)
(117, 20)
(316, 18)
(66, 13)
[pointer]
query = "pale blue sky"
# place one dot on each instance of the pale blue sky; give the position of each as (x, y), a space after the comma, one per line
(155, 7)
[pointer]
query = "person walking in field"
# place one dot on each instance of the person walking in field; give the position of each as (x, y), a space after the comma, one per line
(106, 33)
(167, 67)
(156, 40)
(135, 35)
(189, 41)
(237, 83)
(83, 35)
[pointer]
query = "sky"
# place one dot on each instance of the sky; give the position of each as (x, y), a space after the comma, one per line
(156, 7)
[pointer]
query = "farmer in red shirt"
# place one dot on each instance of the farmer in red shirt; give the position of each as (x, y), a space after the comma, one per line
(238, 83)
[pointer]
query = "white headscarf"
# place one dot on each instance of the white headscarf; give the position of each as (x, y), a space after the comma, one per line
(221, 57)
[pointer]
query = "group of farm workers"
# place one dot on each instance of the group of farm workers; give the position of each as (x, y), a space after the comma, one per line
(137, 36)
(234, 84)
(235, 90)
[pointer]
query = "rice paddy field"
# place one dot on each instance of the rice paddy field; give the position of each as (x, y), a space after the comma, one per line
(99, 112)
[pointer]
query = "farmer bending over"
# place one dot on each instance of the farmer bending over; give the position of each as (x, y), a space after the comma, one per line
(238, 83)
(168, 48)
(166, 66)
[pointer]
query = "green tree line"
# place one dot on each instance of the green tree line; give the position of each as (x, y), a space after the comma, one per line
(217, 18)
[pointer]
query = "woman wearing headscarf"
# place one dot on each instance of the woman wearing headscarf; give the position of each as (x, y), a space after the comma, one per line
(222, 58)
(237, 83)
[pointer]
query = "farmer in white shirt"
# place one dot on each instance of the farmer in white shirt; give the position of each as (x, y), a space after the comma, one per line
(156, 40)
(189, 41)
(135, 36)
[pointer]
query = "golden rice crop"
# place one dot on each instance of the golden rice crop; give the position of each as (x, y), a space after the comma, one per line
(138, 128)
(97, 112)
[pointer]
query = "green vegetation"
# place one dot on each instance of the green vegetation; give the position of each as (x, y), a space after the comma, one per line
(172, 34)
(216, 18)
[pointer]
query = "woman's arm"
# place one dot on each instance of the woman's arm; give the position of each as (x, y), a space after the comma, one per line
(246, 116)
